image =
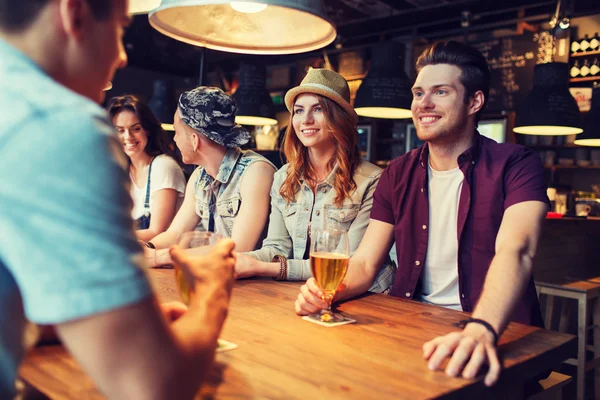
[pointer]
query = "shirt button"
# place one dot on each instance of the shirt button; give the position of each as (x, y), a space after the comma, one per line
(305, 208)
(462, 295)
(424, 226)
(473, 162)
(318, 213)
(422, 190)
(417, 262)
(407, 294)
(342, 215)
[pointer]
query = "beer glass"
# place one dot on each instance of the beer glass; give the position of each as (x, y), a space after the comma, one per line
(329, 259)
(196, 243)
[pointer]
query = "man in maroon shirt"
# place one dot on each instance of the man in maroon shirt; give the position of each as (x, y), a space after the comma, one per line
(465, 213)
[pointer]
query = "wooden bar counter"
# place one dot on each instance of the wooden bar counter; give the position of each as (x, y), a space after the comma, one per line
(280, 356)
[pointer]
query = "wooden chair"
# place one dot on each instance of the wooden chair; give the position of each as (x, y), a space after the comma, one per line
(552, 387)
(586, 293)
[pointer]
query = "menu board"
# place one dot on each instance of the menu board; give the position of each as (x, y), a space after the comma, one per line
(512, 60)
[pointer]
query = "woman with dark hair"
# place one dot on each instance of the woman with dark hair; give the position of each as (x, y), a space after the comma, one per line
(157, 181)
(324, 184)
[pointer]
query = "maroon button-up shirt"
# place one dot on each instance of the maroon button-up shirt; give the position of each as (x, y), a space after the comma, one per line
(496, 177)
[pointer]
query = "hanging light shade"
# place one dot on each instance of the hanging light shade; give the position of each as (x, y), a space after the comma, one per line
(549, 109)
(163, 103)
(591, 131)
(254, 103)
(385, 92)
(142, 6)
(282, 27)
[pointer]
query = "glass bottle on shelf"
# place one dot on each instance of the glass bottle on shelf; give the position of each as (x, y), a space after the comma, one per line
(575, 69)
(574, 46)
(584, 44)
(585, 69)
(595, 43)
(595, 68)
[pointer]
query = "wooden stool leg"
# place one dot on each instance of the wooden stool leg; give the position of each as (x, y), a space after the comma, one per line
(565, 315)
(595, 323)
(549, 311)
(581, 344)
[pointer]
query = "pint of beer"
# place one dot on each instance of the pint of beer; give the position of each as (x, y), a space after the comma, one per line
(194, 242)
(329, 269)
(329, 258)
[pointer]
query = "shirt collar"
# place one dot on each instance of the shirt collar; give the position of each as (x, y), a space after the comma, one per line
(470, 155)
(225, 170)
(330, 180)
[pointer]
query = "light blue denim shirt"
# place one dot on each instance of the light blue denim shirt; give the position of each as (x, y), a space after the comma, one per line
(226, 189)
(288, 223)
(67, 245)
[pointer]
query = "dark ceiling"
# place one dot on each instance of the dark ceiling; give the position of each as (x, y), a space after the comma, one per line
(359, 23)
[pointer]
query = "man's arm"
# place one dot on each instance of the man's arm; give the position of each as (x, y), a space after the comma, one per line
(363, 268)
(134, 353)
(185, 220)
(505, 283)
(254, 210)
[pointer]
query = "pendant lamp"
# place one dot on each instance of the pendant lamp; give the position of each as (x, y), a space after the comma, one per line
(549, 109)
(142, 6)
(254, 103)
(265, 27)
(385, 92)
(591, 132)
(163, 103)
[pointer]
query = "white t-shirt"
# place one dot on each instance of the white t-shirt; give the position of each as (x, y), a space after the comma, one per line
(439, 278)
(166, 174)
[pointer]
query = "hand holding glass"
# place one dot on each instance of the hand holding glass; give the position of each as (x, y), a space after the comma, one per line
(196, 241)
(329, 259)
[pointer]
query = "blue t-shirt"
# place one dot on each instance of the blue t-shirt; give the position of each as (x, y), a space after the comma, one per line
(67, 245)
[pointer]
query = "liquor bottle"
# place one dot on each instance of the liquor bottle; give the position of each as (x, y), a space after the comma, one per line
(584, 44)
(585, 69)
(575, 69)
(595, 68)
(574, 46)
(595, 43)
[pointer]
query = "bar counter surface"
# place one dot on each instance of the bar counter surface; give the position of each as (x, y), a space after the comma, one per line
(280, 356)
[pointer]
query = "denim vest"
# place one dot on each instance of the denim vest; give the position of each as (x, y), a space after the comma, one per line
(226, 189)
(288, 223)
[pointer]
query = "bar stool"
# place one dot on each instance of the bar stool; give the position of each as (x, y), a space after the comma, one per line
(587, 293)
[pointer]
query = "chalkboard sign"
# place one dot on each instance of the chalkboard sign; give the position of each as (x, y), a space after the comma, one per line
(512, 60)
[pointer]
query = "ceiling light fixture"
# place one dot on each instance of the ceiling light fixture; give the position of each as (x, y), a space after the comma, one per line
(283, 27)
(254, 103)
(549, 109)
(142, 6)
(385, 92)
(248, 7)
(591, 133)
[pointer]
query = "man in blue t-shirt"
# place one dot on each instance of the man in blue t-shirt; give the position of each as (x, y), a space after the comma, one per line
(68, 253)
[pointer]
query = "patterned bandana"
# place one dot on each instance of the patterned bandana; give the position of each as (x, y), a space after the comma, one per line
(211, 111)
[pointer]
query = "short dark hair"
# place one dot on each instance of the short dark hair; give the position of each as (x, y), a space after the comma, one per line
(158, 140)
(18, 15)
(475, 72)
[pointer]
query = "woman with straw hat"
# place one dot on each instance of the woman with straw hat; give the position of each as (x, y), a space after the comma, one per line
(324, 184)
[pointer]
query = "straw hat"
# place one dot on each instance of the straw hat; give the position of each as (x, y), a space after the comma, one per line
(326, 83)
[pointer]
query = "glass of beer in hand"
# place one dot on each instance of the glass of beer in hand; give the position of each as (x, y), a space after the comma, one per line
(329, 259)
(196, 243)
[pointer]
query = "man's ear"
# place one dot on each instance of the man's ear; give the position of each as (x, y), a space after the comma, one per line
(476, 102)
(73, 14)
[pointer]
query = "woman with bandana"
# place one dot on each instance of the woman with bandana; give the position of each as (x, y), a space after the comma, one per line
(324, 184)
(229, 191)
(157, 181)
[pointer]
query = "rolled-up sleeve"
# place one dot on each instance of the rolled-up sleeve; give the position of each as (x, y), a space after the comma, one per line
(524, 179)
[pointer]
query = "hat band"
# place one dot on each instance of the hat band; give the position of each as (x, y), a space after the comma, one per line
(323, 87)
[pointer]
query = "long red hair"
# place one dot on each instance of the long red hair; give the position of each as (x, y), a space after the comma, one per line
(347, 156)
